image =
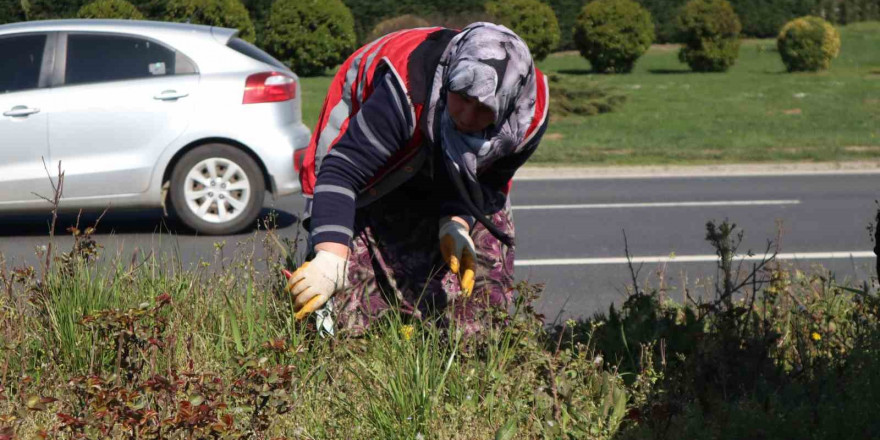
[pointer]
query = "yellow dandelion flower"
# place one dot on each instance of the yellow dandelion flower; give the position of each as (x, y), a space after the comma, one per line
(406, 332)
(816, 336)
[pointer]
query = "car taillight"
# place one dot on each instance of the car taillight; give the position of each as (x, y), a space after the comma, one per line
(269, 87)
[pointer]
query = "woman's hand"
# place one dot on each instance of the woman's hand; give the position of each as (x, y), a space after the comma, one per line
(316, 281)
(459, 251)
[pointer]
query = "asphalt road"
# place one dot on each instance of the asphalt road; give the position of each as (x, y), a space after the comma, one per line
(570, 233)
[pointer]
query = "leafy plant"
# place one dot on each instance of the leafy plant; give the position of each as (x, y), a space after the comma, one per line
(120, 9)
(11, 11)
(406, 21)
(576, 98)
(613, 34)
(709, 31)
(223, 13)
(534, 21)
(808, 44)
(310, 36)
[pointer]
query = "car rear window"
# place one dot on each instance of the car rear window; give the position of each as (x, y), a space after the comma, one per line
(248, 49)
(20, 61)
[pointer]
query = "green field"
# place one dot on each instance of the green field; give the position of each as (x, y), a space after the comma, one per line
(756, 112)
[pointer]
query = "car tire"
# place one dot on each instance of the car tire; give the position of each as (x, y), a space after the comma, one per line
(217, 189)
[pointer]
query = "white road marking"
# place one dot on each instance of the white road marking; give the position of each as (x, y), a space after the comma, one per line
(692, 258)
(537, 173)
(658, 204)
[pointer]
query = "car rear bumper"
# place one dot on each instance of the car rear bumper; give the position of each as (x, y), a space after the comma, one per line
(275, 149)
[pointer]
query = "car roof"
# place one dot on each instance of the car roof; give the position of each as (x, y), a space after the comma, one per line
(149, 28)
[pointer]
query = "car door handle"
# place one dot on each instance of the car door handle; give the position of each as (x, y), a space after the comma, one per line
(20, 110)
(170, 95)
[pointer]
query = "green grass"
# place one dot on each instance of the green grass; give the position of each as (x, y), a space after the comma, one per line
(141, 347)
(756, 112)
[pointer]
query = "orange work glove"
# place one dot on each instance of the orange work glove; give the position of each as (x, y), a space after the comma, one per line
(316, 281)
(459, 252)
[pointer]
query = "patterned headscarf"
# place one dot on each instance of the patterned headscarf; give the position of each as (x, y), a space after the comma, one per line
(491, 64)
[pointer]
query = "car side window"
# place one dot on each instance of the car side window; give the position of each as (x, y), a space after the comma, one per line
(99, 58)
(20, 60)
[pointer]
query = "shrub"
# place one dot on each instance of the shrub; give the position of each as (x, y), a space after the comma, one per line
(51, 9)
(664, 13)
(763, 18)
(310, 35)
(407, 21)
(709, 30)
(570, 98)
(532, 20)
(225, 13)
(259, 13)
(808, 44)
(566, 14)
(10, 11)
(369, 13)
(152, 9)
(110, 9)
(613, 34)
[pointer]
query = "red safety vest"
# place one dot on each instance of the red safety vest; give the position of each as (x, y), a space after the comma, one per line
(351, 87)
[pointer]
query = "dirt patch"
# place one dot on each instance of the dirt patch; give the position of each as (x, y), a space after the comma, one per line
(554, 136)
(623, 152)
(564, 53)
(861, 149)
(793, 111)
(664, 47)
(871, 101)
(789, 150)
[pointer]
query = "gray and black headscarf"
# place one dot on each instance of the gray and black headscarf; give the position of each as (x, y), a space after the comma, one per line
(492, 64)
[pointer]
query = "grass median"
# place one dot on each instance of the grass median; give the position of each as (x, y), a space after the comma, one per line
(96, 345)
(755, 112)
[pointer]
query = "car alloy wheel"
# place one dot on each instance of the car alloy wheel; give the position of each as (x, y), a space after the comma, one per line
(217, 190)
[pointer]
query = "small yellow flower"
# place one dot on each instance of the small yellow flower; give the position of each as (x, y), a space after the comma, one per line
(406, 332)
(816, 336)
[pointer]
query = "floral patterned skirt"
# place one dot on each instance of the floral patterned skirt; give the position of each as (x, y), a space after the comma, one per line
(396, 265)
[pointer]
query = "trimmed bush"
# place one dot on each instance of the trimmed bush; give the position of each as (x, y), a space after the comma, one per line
(110, 9)
(224, 13)
(808, 44)
(613, 34)
(390, 25)
(709, 30)
(533, 21)
(310, 35)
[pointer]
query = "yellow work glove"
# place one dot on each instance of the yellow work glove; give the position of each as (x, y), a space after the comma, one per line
(459, 252)
(316, 281)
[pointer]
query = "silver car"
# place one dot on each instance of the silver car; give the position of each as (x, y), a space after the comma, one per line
(141, 112)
